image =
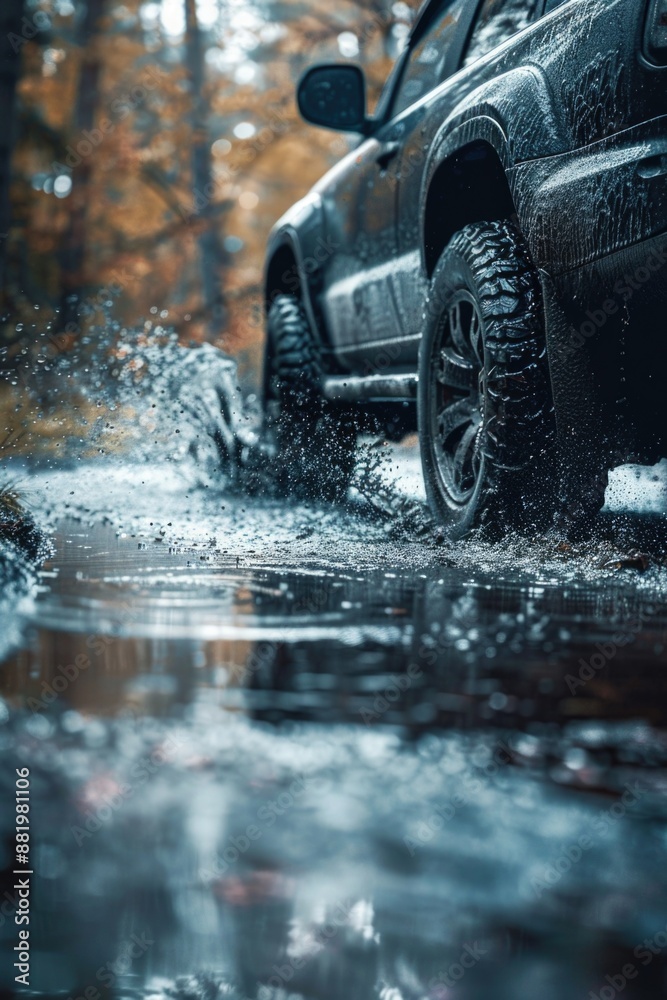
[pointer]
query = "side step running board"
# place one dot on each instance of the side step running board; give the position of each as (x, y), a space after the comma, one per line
(357, 388)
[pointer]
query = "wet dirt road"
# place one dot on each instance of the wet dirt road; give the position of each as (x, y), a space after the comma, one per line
(297, 751)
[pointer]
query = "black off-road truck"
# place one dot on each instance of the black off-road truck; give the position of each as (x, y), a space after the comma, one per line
(490, 261)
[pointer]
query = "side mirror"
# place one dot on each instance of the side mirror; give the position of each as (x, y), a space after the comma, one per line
(334, 96)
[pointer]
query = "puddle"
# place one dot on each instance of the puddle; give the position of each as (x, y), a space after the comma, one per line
(277, 751)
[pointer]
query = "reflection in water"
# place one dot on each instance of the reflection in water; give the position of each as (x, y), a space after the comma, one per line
(17, 588)
(413, 649)
(337, 783)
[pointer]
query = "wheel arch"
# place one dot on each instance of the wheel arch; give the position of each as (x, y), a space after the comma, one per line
(282, 271)
(285, 274)
(467, 182)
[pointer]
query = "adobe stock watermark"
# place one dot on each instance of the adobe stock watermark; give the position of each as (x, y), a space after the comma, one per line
(625, 290)
(290, 280)
(382, 361)
(398, 685)
(267, 815)
(263, 654)
(64, 676)
(283, 974)
(223, 175)
(572, 854)
(119, 109)
(141, 772)
(645, 953)
(61, 341)
(69, 673)
(428, 654)
(471, 786)
(446, 980)
(606, 651)
(30, 27)
(129, 951)
(261, 657)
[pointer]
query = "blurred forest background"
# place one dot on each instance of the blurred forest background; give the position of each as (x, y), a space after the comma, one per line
(148, 147)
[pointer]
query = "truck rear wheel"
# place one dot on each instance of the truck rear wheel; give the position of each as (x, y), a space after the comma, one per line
(313, 442)
(486, 419)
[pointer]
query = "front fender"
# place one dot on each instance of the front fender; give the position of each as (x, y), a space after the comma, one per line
(294, 255)
(451, 141)
(513, 113)
(298, 228)
(448, 144)
(521, 104)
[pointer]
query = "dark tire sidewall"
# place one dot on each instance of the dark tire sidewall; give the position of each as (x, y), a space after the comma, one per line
(314, 445)
(502, 496)
(454, 277)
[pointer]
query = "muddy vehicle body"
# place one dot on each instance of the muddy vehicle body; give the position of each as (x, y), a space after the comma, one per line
(488, 263)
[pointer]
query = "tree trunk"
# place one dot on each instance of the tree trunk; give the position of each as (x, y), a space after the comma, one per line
(73, 254)
(210, 250)
(11, 34)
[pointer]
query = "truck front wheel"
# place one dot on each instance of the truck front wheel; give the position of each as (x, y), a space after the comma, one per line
(486, 419)
(313, 443)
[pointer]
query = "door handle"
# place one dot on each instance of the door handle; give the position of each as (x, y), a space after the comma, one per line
(387, 153)
(652, 166)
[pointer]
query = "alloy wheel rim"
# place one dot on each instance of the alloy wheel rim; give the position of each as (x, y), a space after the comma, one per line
(457, 396)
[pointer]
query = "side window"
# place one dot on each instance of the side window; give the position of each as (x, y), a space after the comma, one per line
(497, 21)
(426, 62)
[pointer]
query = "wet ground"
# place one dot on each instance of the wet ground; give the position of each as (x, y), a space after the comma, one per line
(300, 751)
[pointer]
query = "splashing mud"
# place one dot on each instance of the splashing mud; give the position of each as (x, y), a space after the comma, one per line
(160, 402)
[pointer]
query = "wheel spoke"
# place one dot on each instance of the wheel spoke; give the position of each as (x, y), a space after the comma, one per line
(464, 462)
(476, 337)
(455, 372)
(456, 331)
(456, 403)
(453, 417)
(455, 318)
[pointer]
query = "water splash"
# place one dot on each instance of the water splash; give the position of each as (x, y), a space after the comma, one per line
(18, 580)
(135, 393)
(185, 405)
